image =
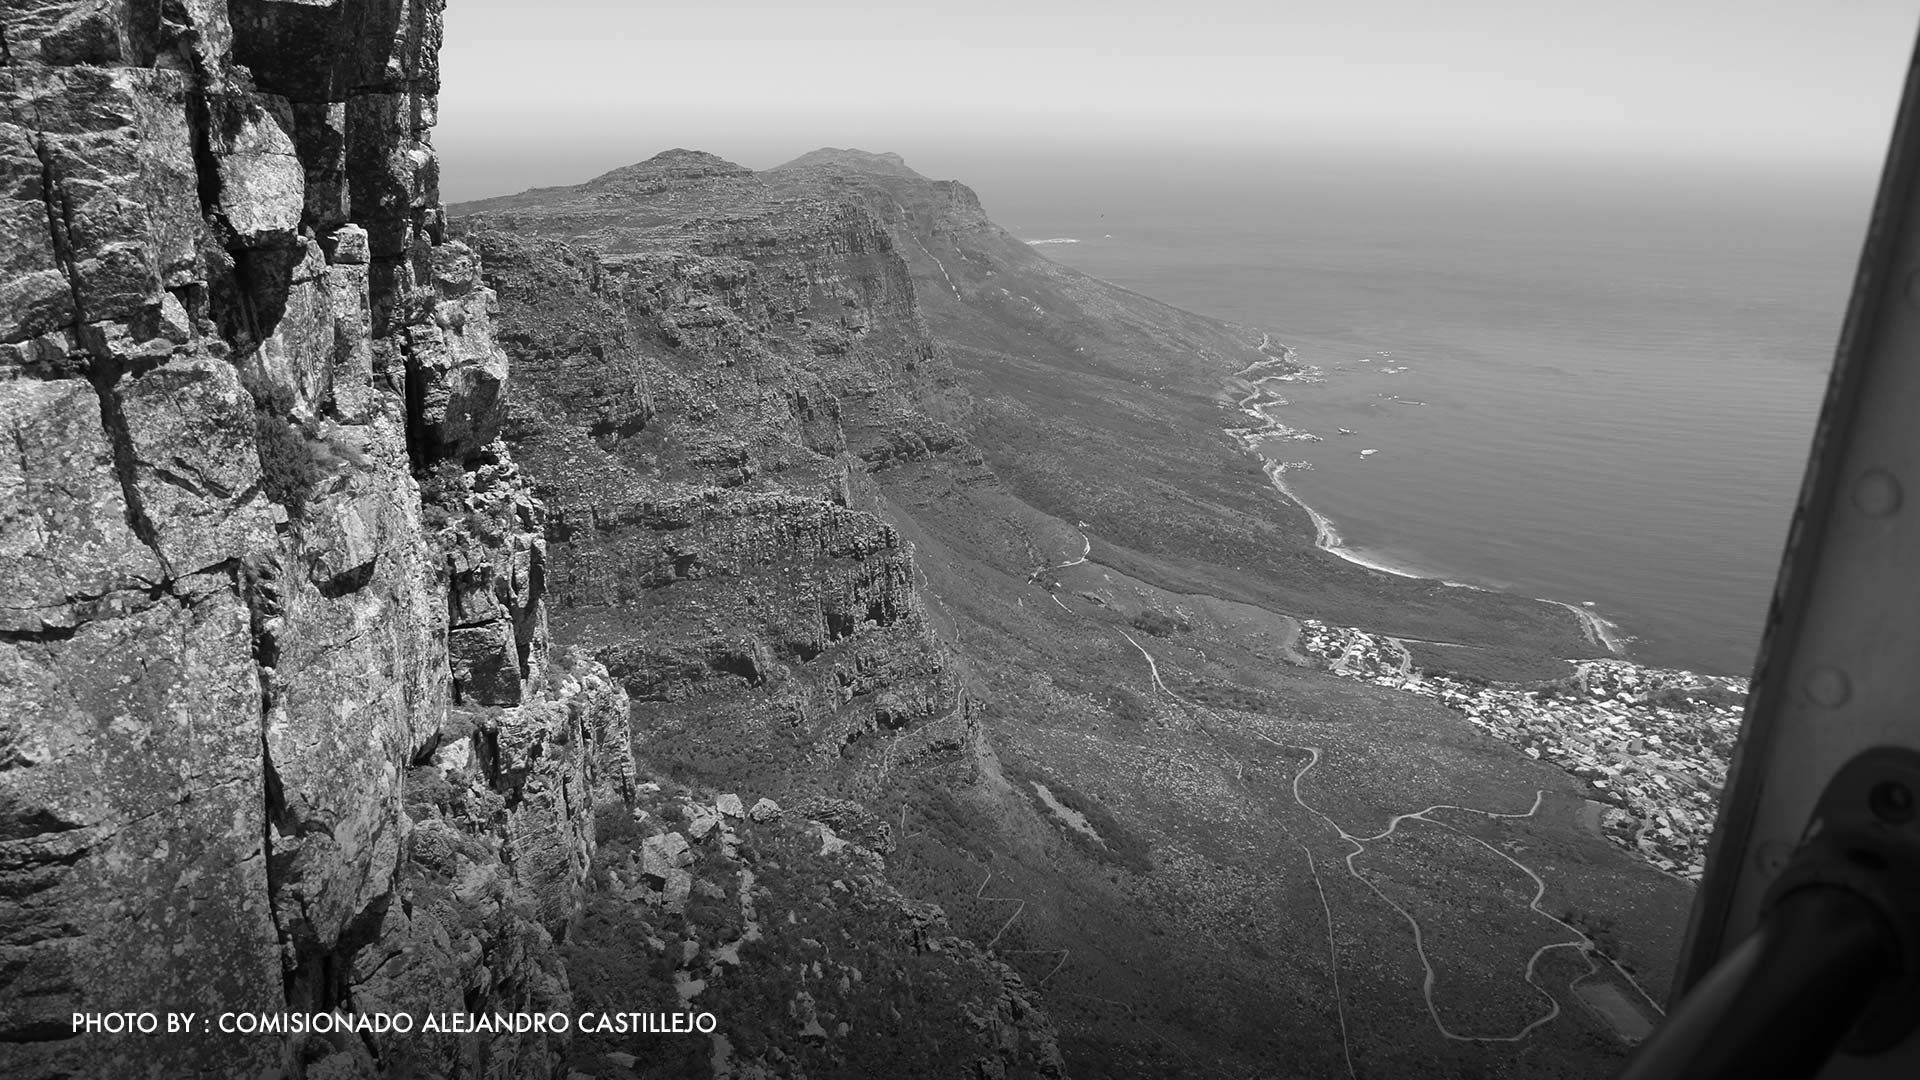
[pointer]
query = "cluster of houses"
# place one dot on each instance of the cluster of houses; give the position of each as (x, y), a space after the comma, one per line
(1652, 744)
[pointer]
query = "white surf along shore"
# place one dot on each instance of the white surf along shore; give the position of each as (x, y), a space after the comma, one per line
(1257, 395)
(1653, 745)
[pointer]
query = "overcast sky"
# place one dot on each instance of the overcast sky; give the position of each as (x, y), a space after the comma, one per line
(558, 91)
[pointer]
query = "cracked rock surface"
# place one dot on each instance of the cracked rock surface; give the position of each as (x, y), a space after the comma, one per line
(279, 728)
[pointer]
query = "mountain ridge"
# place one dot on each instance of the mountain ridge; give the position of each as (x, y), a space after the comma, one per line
(1035, 416)
(850, 159)
(777, 596)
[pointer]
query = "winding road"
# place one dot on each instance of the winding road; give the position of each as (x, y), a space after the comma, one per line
(1580, 940)
(1577, 939)
(1085, 551)
(1034, 578)
(1153, 669)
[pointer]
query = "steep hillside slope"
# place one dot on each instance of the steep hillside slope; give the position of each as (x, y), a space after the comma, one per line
(1078, 391)
(701, 424)
(1063, 678)
(701, 418)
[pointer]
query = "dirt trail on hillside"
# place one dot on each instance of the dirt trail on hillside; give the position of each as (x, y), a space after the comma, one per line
(1627, 1017)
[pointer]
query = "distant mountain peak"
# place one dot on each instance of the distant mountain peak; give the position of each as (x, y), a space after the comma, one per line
(670, 166)
(850, 160)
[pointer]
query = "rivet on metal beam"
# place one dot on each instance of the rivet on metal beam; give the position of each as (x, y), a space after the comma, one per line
(1892, 802)
(1771, 857)
(1828, 687)
(1877, 493)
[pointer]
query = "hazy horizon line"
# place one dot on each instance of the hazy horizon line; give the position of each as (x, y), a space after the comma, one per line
(471, 174)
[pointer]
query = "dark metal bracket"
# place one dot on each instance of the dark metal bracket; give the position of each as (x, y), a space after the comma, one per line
(1834, 965)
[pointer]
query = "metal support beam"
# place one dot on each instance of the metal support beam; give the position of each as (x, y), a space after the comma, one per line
(1839, 667)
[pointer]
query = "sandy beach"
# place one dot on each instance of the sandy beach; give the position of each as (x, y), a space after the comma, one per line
(1652, 743)
(1254, 395)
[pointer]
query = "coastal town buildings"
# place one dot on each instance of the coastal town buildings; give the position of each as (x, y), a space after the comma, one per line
(1652, 744)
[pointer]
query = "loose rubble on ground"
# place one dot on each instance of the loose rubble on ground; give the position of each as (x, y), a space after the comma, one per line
(698, 878)
(1652, 743)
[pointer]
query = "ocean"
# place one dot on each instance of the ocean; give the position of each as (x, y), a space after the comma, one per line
(1592, 388)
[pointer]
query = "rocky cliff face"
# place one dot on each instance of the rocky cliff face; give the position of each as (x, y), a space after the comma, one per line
(710, 372)
(290, 716)
(277, 731)
(701, 403)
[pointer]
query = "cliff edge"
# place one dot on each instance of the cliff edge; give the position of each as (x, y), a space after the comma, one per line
(237, 636)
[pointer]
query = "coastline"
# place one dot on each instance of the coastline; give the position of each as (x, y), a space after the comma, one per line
(1651, 744)
(1253, 395)
(1599, 631)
